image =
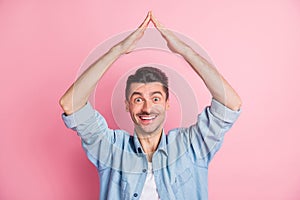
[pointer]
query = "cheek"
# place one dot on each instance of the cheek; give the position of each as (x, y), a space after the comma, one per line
(159, 107)
(134, 108)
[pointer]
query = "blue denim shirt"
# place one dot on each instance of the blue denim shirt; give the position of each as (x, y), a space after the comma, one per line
(180, 162)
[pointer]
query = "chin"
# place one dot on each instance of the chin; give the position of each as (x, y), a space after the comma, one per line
(149, 130)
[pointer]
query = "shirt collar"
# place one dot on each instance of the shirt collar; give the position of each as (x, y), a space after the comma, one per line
(162, 146)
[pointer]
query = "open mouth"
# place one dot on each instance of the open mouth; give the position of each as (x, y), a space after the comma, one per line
(147, 118)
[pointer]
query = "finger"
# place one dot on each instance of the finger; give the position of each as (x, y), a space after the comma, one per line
(156, 23)
(146, 21)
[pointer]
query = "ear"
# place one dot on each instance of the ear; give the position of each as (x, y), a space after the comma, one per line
(167, 104)
(127, 105)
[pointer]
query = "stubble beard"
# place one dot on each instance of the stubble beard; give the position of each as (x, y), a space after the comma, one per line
(151, 130)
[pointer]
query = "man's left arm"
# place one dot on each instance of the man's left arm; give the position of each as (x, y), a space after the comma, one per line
(219, 88)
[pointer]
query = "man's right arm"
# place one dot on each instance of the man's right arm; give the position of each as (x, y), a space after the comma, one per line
(78, 93)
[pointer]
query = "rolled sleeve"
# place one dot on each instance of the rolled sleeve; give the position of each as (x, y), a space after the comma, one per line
(207, 134)
(223, 113)
(79, 117)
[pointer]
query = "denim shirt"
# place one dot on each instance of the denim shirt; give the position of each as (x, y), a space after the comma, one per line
(180, 163)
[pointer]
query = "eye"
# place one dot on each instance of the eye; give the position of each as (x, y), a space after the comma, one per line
(156, 99)
(138, 100)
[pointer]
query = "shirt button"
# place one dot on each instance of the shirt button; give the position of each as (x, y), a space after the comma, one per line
(135, 195)
(144, 170)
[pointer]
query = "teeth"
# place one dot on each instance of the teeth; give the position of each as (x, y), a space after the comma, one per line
(147, 117)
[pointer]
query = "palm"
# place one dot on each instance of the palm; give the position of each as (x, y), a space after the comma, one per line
(174, 44)
(129, 43)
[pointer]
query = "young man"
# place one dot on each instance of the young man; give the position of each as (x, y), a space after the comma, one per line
(151, 164)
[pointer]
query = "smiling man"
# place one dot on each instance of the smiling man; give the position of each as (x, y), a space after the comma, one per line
(147, 100)
(151, 164)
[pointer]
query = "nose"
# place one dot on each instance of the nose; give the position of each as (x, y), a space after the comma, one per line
(147, 106)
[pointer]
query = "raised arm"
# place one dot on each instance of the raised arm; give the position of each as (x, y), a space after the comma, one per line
(214, 81)
(78, 93)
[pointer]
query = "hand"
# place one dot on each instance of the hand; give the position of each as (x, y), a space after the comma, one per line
(173, 42)
(128, 44)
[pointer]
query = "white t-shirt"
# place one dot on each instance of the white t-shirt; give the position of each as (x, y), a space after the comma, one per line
(150, 189)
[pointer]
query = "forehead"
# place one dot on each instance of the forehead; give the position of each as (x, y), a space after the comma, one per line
(146, 88)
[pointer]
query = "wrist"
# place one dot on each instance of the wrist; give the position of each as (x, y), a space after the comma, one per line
(117, 50)
(185, 50)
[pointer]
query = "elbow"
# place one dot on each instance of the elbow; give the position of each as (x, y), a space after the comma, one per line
(234, 103)
(65, 105)
(237, 105)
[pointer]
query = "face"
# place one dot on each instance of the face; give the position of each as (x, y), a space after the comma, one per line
(147, 106)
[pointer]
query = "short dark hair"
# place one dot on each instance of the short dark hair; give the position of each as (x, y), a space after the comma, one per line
(148, 75)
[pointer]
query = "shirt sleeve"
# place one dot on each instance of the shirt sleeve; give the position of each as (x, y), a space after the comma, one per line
(222, 112)
(78, 117)
(207, 135)
(93, 130)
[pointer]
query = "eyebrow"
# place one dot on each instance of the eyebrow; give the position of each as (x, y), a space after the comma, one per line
(152, 93)
(156, 92)
(135, 93)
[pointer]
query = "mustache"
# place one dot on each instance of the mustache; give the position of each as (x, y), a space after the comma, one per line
(146, 113)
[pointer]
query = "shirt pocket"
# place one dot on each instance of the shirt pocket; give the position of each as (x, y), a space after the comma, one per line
(181, 180)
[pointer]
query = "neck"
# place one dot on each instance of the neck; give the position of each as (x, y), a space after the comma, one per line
(150, 142)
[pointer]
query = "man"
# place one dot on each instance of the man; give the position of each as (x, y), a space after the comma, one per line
(151, 164)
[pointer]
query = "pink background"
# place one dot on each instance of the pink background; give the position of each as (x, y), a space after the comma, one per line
(254, 44)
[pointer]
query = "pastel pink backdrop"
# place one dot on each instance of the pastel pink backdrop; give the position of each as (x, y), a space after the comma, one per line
(255, 45)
